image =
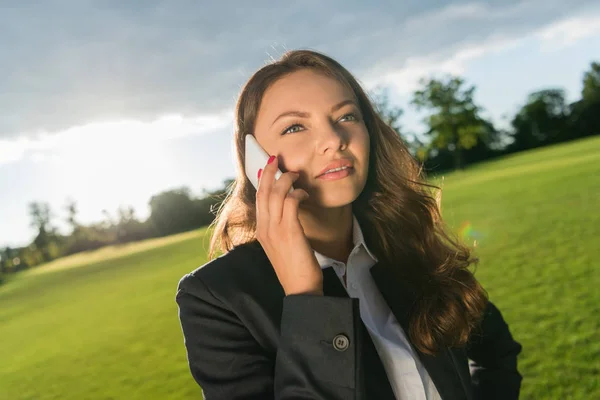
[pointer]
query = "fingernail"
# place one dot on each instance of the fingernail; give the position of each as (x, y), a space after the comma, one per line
(271, 159)
(259, 172)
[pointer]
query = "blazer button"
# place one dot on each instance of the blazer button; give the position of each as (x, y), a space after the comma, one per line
(341, 342)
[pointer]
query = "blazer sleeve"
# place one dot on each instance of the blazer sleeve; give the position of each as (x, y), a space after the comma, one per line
(228, 364)
(493, 353)
(223, 357)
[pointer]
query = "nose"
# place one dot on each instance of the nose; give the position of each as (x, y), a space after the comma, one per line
(331, 138)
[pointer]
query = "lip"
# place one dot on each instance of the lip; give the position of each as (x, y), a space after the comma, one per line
(342, 162)
(334, 176)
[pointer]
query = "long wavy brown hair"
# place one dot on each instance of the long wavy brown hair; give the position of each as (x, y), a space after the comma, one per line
(398, 211)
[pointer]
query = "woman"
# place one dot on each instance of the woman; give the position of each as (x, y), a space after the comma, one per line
(350, 286)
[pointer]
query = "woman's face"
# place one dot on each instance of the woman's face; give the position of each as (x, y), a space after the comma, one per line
(309, 120)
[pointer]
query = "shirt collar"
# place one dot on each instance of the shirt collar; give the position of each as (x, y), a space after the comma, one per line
(357, 239)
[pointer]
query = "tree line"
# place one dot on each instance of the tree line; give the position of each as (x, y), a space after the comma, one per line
(456, 136)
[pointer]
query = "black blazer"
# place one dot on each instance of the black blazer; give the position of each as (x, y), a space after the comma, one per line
(246, 340)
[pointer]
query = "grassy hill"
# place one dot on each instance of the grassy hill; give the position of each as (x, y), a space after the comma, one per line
(104, 325)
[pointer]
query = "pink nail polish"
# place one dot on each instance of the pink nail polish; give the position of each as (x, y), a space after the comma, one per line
(259, 173)
(271, 159)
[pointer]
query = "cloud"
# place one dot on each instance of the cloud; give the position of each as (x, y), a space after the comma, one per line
(68, 64)
(406, 79)
(124, 138)
(563, 33)
(550, 37)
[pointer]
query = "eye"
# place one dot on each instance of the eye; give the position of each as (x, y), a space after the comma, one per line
(352, 116)
(292, 129)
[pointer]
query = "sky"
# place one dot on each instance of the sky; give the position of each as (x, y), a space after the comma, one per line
(111, 102)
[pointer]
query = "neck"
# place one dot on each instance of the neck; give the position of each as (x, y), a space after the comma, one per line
(329, 231)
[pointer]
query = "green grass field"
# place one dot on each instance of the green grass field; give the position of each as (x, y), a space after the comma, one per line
(104, 325)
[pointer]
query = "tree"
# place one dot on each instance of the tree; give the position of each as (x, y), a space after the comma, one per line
(388, 113)
(591, 83)
(40, 215)
(585, 113)
(40, 219)
(4, 262)
(7, 258)
(391, 114)
(129, 228)
(541, 121)
(173, 211)
(71, 209)
(454, 122)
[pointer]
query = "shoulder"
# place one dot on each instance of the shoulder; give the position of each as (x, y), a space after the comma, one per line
(228, 273)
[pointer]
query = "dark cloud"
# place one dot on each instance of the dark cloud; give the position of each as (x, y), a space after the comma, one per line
(65, 63)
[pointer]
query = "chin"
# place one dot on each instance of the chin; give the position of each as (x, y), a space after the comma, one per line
(338, 197)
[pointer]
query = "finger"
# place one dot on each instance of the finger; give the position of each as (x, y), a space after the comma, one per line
(289, 216)
(265, 183)
(279, 191)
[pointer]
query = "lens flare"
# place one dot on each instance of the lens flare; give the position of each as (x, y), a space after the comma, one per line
(467, 233)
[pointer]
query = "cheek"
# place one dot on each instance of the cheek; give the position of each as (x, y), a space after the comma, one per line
(293, 160)
(368, 148)
(361, 146)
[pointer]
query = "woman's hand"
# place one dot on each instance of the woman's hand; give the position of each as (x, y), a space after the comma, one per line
(281, 235)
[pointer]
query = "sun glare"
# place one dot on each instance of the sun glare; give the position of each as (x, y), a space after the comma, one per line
(105, 164)
(127, 140)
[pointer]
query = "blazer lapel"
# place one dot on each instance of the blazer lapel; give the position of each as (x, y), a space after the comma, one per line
(441, 367)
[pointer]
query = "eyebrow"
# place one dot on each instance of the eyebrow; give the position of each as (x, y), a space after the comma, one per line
(302, 114)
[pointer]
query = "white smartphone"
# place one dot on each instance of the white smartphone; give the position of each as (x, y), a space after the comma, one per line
(256, 158)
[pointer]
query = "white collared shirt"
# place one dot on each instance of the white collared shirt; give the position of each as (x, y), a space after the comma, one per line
(407, 375)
